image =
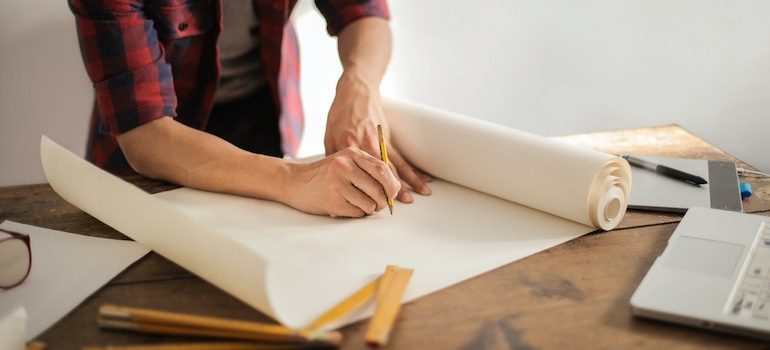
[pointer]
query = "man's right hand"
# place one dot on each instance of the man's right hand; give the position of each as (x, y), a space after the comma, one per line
(349, 183)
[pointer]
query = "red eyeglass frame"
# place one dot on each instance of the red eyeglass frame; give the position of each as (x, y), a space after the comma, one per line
(24, 238)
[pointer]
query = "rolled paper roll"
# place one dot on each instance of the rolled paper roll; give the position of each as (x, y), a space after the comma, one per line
(572, 182)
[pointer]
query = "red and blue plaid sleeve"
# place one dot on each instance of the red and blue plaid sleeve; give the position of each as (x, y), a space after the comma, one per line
(125, 62)
(340, 13)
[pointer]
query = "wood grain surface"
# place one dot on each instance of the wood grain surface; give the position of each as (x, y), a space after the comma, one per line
(572, 296)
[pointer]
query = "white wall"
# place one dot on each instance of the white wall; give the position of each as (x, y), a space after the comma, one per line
(320, 69)
(565, 66)
(557, 67)
(546, 66)
(43, 86)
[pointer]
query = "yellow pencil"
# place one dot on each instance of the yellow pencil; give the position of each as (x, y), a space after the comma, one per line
(163, 322)
(384, 156)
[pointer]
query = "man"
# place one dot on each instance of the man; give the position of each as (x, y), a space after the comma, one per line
(179, 97)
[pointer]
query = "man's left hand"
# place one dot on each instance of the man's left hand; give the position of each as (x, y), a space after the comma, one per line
(353, 119)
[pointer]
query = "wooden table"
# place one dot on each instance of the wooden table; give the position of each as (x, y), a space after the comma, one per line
(574, 295)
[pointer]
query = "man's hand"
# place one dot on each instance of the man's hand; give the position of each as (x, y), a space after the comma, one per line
(349, 183)
(352, 122)
(364, 48)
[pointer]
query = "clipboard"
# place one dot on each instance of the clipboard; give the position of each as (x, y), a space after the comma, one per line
(654, 192)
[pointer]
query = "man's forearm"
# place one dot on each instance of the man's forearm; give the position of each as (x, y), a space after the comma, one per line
(168, 150)
(364, 48)
(348, 183)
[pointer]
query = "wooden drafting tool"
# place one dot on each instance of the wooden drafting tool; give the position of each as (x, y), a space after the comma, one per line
(344, 308)
(386, 290)
(161, 322)
(389, 294)
(198, 346)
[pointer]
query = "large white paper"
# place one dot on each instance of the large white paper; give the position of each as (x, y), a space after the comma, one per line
(571, 182)
(66, 269)
(293, 266)
(315, 261)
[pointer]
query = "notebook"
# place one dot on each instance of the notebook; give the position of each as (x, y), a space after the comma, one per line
(652, 191)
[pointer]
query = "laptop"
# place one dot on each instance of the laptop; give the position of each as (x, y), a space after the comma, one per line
(714, 273)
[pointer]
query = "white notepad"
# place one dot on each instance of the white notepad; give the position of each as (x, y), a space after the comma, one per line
(652, 191)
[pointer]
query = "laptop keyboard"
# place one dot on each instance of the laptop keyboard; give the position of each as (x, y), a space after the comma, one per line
(751, 297)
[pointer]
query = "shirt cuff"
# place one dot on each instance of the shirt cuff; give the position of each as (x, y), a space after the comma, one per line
(134, 98)
(340, 16)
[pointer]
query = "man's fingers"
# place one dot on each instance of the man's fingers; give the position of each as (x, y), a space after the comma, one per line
(360, 200)
(407, 173)
(348, 211)
(370, 187)
(423, 176)
(343, 208)
(378, 170)
(404, 196)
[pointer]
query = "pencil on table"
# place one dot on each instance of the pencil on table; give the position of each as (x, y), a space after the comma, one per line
(198, 346)
(162, 322)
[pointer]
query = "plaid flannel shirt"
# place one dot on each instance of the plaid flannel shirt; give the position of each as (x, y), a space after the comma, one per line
(153, 58)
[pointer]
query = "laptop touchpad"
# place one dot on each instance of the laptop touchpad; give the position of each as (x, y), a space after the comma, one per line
(703, 255)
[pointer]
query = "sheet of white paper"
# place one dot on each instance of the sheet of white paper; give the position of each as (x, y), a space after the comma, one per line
(66, 269)
(293, 266)
(13, 325)
(315, 261)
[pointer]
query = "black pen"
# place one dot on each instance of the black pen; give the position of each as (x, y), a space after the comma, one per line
(666, 171)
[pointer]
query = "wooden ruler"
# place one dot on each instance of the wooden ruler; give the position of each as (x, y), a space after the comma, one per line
(387, 291)
(389, 294)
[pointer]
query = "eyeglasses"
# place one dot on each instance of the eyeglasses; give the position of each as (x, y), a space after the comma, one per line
(15, 259)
